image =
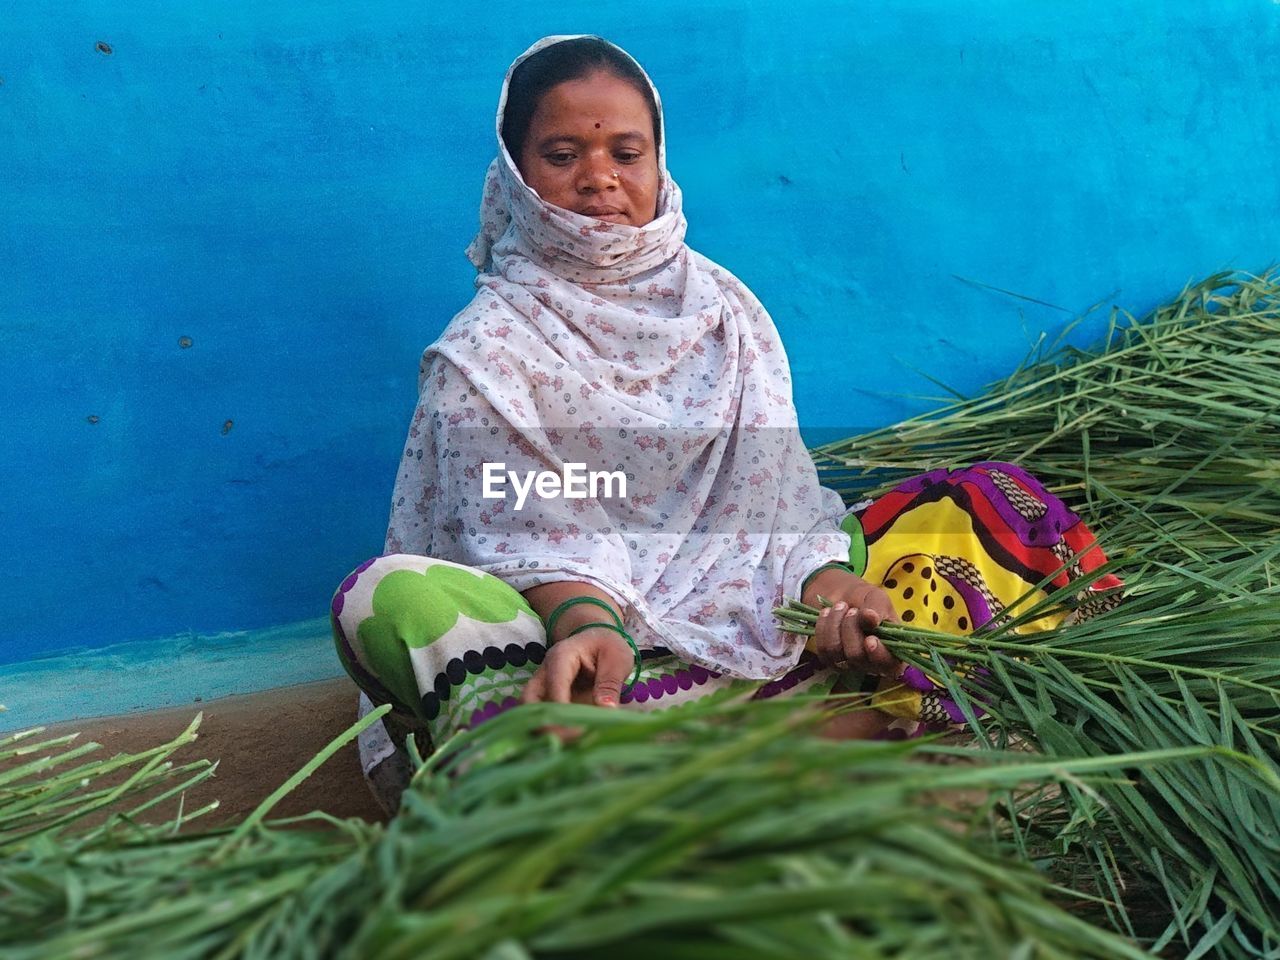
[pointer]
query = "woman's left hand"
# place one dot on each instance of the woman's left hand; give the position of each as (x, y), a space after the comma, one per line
(844, 635)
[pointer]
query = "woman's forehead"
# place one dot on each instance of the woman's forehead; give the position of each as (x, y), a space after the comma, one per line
(597, 101)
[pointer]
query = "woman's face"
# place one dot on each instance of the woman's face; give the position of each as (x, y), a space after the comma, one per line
(590, 150)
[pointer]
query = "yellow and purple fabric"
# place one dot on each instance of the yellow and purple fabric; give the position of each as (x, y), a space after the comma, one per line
(957, 550)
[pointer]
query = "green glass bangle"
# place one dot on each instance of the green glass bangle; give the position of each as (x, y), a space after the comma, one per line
(625, 636)
(555, 614)
(825, 566)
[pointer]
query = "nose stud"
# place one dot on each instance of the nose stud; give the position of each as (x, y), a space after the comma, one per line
(617, 175)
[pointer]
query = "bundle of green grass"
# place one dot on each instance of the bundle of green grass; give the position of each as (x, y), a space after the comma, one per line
(1117, 794)
(1164, 436)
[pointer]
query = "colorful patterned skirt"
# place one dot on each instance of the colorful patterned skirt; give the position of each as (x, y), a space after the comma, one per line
(449, 646)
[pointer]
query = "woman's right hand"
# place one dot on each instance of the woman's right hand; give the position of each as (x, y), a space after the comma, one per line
(588, 667)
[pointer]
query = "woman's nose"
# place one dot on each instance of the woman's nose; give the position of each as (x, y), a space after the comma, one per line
(598, 173)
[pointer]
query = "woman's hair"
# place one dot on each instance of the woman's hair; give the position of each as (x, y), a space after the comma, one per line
(566, 60)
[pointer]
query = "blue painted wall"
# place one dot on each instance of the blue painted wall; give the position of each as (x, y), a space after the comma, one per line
(291, 187)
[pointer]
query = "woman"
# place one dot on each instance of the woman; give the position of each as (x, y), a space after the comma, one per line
(597, 338)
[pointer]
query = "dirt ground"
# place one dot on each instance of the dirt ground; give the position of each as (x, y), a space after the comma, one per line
(260, 740)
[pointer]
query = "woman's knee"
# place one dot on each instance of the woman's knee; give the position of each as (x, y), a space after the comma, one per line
(399, 580)
(390, 614)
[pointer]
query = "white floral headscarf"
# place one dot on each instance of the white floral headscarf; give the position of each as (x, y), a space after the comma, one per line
(620, 348)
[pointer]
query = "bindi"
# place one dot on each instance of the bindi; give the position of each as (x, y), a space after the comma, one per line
(597, 126)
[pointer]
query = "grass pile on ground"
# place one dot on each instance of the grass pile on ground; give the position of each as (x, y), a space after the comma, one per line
(1193, 847)
(719, 829)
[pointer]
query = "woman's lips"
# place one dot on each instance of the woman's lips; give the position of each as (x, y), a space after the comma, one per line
(604, 213)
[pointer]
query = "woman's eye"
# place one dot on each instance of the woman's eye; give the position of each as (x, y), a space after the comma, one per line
(561, 158)
(628, 156)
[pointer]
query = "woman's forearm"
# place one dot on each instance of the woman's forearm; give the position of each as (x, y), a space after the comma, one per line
(545, 597)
